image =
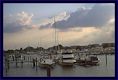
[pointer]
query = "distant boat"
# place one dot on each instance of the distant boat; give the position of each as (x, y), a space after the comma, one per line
(67, 59)
(88, 61)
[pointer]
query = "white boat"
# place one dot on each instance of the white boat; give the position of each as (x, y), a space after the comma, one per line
(67, 59)
(46, 63)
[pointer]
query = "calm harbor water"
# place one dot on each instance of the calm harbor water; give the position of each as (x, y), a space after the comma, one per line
(59, 71)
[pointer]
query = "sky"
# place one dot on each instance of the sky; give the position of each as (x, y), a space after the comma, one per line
(34, 24)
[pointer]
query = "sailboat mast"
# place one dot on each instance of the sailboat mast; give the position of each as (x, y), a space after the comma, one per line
(40, 44)
(56, 36)
(55, 33)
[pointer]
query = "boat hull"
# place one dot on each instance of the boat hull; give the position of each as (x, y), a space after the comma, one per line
(91, 63)
(46, 65)
(66, 64)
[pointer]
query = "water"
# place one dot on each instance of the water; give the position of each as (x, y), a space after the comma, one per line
(58, 71)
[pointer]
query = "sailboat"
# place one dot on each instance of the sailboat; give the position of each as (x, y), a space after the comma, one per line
(46, 62)
(67, 57)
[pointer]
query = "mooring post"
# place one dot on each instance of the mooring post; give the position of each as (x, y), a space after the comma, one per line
(36, 64)
(22, 63)
(24, 57)
(13, 57)
(48, 71)
(33, 62)
(106, 59)
(16, 62)
(30, 58)
(6, 68)
(8, 64)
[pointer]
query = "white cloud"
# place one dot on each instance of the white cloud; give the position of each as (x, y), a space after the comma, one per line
(18, 23)
(25, 18)
(112, 20)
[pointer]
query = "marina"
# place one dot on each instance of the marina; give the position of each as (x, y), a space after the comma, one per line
(58, 60)
(59, 40)
(34, 65)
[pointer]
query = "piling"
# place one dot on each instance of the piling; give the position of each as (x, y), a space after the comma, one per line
(36, 63)
(21, 63)
(48, 71)
(30, 58)
(6, 69)
(8, 64)
(16, 62)
(106, 58)
(24, 57)
(33, 62)
(13, 57)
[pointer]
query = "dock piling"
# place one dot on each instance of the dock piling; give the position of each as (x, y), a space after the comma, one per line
(8, 64)
(21, 63)
(16, 62)
(33, 62)
(106, 59)
(36, 64)
(48, 71)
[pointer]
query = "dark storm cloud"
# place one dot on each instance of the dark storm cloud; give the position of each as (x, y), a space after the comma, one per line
(45, 26)
(12, 27)
(95, 17)
(15, 27)
(98, 16)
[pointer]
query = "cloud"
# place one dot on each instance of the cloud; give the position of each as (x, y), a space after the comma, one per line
(74, 36)
(48, 23)
(97, 16)
(91, 35)
(84, 26)
(25, 18)
(18, 23)
(13, 27)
